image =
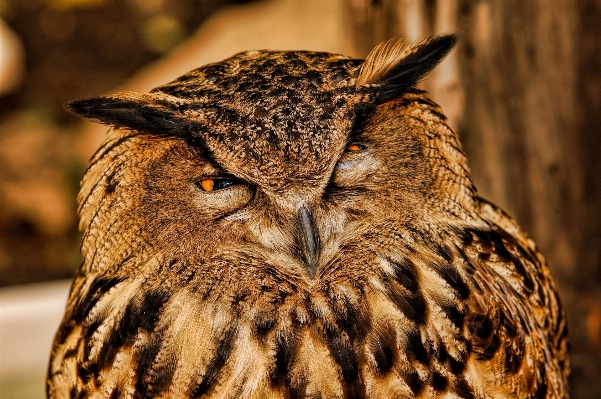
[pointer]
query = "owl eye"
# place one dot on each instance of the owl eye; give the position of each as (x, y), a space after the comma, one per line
(221, 195)
(355, 165)
(213, 184)
(354, 147)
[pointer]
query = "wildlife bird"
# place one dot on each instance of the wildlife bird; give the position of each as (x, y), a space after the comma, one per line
(299, 225)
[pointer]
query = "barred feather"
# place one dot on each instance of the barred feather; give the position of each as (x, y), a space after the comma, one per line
(339, 250)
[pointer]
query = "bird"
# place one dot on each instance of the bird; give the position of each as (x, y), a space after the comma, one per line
(297, 224)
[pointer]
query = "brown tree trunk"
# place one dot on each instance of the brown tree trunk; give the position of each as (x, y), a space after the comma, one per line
(523, 90)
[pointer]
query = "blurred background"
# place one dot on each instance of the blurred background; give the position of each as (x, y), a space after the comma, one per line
(523, 90)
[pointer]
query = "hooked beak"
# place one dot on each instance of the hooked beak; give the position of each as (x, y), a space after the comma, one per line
(309, 240)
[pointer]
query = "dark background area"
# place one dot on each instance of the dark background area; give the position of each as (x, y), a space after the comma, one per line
(523, 90)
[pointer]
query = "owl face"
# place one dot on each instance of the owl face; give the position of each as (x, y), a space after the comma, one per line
(285, 157)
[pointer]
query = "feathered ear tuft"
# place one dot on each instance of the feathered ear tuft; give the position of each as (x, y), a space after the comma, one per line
(155, 113)
(398, 64)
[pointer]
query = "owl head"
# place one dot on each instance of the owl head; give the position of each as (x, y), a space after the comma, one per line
(284, 151)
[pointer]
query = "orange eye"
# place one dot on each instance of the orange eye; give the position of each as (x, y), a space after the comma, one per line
(355, 147)
(211, 184)
(207, 184)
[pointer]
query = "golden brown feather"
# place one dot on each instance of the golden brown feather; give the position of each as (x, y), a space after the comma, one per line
(299, 225)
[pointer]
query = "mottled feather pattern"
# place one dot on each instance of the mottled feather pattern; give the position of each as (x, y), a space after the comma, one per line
(348, 255)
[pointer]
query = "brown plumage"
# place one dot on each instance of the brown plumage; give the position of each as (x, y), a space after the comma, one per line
(298, 224)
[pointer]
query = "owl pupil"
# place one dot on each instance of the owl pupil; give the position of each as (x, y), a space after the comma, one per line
(219, 184)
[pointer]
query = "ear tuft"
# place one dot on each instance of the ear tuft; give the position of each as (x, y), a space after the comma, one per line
(398, 64)
(154, 113)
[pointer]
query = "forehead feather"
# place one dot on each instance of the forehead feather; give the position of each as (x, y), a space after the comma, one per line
(272, 112)
(256, 74)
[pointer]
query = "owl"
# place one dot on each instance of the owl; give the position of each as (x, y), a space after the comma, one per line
(299, 225)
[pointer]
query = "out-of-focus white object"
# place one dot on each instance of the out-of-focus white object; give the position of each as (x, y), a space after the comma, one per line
(12, 59)
(29, 317)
